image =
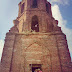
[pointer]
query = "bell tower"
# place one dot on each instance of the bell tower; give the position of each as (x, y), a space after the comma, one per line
(35, 42)
(32, 14)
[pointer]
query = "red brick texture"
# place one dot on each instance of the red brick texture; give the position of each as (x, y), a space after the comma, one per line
(24, 47)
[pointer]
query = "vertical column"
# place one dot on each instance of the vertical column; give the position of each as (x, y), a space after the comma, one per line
(7, 52)
(28, 4)
(63, 52)
(42, 5)
(19, 13)
(55, 61)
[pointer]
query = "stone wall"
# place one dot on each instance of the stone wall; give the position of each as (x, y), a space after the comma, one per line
(7, 53)
(42, 48)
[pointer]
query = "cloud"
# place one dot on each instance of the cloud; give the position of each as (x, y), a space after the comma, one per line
(63, 2)
(62, 23)
(1, 47)
(57, 15)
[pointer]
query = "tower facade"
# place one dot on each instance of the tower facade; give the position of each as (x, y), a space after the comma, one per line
(35, 41)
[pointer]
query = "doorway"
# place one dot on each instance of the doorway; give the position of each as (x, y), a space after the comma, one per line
(35, 66)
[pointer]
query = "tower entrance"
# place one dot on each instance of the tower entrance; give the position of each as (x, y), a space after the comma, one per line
(34, 24)
(35, 67)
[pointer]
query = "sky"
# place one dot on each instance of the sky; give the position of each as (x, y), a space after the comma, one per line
(61, 11)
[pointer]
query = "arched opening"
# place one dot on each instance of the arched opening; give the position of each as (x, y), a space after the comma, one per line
(22, 8)
(34, 5)
(34, 24)
(47, 8)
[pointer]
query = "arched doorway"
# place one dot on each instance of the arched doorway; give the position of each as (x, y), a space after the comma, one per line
(35, 67)
(34, 24)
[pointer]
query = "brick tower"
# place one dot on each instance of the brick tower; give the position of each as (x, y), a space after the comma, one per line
(35, 41)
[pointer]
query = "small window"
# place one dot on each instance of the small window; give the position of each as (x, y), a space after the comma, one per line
(34, 5)
(47, 8)
(35, 24)
(22, 8)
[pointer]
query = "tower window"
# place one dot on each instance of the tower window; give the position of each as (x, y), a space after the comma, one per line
(34, 5)
(35, 25)
(22, 8)
(47, 8)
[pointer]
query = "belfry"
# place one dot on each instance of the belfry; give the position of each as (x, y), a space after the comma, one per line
(35, 42)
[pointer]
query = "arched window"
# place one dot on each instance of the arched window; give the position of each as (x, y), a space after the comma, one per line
(34, 5)
(22, 8)
(34, 24)
(47, 8)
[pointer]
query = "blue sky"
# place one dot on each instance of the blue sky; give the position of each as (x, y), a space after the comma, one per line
(62, 11)
(67, 13)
